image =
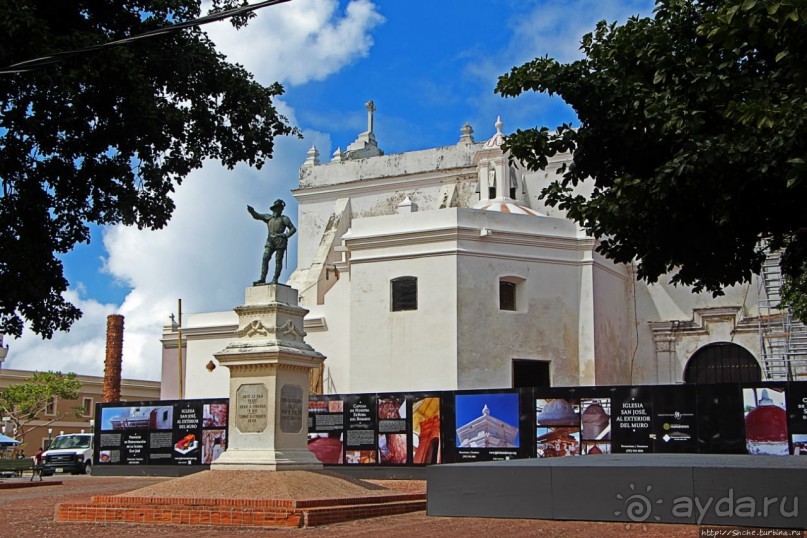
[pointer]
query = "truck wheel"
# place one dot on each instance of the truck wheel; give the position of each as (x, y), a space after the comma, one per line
(88, 468)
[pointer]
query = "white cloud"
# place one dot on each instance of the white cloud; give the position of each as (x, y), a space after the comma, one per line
(554, 28)
(299, 41)
(557, 27)
(81, 350)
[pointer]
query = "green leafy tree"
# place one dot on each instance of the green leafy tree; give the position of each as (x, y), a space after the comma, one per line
(692, 131)
(26, 403)
(104, 138)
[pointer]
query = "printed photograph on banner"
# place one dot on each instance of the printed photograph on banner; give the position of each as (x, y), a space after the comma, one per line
(595, 421)
(766, 421)
(214, 415)
(361, 457)
(109, 456)
(327, 447)
(557, 412)
(392, 438)
(557, 441)
(592, 448)
(392, 448)
(426, 431)
(800, 444)
(488, 420)
(213, 445)
(137, 418)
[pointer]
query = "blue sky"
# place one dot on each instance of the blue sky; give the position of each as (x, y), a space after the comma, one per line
(429, 66)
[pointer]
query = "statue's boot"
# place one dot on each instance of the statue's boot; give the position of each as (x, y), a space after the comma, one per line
(264, 269)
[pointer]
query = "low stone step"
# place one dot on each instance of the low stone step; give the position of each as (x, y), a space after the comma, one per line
(236, 512)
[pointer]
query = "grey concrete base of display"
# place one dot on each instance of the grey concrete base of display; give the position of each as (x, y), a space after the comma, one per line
(753, 491)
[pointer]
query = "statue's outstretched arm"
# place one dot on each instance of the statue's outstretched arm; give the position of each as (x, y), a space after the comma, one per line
(255, 214)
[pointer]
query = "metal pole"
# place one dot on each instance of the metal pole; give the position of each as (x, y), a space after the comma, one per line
(179, 350)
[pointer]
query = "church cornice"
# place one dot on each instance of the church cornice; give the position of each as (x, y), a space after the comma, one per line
(664, 331)
(383, 185)
(468, 235)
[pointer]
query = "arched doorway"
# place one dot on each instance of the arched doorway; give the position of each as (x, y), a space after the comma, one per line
(722, 362)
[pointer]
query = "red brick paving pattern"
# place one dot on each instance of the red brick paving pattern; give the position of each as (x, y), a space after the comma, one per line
(29, 513)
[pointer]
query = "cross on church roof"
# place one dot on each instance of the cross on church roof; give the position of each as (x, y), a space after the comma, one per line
(370, 106)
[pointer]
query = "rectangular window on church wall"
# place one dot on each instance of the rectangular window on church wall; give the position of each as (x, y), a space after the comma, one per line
(507, 295)
(404, 293)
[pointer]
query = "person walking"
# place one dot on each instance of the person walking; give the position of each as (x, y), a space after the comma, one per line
(37, 464)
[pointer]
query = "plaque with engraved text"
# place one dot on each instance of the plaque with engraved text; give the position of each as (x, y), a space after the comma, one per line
(251, 407)
(291, 409)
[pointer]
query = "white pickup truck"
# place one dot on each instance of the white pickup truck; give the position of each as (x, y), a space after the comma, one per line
(69, 453)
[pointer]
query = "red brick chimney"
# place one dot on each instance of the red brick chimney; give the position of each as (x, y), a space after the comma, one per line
(114, 357)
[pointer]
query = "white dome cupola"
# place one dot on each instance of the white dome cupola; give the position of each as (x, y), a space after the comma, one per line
(498, 181)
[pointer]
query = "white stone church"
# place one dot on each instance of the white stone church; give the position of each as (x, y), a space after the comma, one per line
(441, 269)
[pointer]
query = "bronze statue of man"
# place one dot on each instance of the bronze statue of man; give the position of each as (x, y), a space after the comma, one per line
(280, 229)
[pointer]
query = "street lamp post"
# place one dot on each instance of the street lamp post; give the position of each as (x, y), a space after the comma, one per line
(92, 425)
(50, 432)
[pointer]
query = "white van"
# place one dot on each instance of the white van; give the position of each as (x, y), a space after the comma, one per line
(70, 453)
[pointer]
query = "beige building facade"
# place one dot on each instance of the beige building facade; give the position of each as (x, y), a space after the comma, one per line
(61, 417)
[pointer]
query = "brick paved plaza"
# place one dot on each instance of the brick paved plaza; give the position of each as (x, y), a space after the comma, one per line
(29, 512)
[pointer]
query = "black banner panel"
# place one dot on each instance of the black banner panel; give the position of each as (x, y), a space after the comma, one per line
(361, 429)
(797, 417)
(176, 432)
(721, 428)
(425, 428)
(326, 428)
(632, 421)
(549, 422)
(675, 424)
(394, 437)
(487, 425)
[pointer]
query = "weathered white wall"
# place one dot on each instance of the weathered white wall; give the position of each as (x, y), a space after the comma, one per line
(408, 350)
(330, 334)
(543, 252)
(678, 323)
(615, 335)
(376, 186)
(208, 333)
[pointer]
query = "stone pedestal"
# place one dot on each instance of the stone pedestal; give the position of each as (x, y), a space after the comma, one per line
(269, 364)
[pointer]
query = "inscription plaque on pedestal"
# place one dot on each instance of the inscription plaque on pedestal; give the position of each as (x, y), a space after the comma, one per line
(291, 409)
(250, 412)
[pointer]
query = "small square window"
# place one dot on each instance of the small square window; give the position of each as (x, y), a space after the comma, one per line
(404, 293)
(507, 295)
